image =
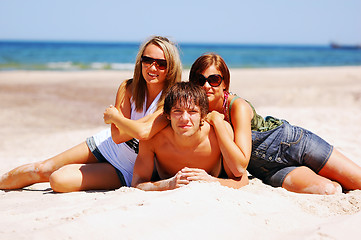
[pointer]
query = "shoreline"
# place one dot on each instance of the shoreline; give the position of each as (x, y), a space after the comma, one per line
(185, 68)
(45, 113)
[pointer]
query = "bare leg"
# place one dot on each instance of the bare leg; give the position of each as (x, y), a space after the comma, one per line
(29, 174)
(341, 169)
(78, 177)
(304, 180)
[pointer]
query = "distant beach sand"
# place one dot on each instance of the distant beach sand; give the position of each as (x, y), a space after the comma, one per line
(45, 113)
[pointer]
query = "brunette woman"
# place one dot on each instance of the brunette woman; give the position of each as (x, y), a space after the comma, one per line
(278, 153)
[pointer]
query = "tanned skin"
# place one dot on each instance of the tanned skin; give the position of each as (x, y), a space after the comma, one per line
(185, 151)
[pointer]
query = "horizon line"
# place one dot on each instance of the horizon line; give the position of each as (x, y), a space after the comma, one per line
(179, 42)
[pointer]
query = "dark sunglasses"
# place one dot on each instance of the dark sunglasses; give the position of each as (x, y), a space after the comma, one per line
(160, 63)
(214, 80)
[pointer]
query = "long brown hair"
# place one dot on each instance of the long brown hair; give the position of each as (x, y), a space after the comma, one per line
(204, 62)
(173, 72)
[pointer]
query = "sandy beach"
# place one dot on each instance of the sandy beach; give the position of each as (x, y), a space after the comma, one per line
(43, 113)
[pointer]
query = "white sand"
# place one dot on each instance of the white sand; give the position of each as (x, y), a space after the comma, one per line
(44, 113)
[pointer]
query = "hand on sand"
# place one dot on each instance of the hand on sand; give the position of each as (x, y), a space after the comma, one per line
(178, 181)
(195, 174)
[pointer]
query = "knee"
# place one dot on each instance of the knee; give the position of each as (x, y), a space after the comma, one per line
(56, 181)
(62, 181)
(332, 188)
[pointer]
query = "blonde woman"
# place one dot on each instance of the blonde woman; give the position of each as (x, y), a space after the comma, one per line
(99, 163)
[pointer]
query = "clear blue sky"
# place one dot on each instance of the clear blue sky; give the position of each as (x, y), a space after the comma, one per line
(225, 21)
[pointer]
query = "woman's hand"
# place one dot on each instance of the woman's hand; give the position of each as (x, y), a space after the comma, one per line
(213, 116)
(109, 114)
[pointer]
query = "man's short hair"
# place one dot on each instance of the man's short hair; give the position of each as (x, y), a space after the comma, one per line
(186, 94)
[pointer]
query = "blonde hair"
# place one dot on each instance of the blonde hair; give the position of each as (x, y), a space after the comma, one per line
(173, 72)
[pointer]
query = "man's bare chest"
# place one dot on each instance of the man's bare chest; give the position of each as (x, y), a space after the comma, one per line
(171, 158)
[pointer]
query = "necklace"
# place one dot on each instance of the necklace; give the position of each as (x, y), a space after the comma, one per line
(225, 105)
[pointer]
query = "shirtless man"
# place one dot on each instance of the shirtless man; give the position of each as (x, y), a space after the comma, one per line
(187, 149)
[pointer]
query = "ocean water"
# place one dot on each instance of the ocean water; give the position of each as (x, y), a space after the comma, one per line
(72, 56)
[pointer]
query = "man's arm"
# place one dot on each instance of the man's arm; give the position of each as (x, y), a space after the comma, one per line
(195, 174)
(143, 170)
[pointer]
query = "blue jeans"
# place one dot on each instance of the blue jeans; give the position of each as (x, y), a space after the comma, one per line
(277, 152)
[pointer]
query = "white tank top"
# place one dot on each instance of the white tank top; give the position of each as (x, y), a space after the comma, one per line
(121, 156)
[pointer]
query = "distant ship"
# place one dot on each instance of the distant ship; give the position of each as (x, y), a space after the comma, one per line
(336, 45)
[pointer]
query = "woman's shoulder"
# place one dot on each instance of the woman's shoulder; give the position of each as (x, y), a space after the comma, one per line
(126, 86)
(237, 101)
(240, 106)
(124, 92)
(163, 136)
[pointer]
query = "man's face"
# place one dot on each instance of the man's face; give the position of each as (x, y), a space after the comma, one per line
(185, 120)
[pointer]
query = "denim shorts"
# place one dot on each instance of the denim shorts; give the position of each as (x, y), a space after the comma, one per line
(99, 156)
(277, 152)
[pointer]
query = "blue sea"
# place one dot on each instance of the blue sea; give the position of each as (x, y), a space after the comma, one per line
(70, 56)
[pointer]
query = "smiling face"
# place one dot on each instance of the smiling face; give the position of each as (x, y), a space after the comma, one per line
(214, 94)
(151, 72)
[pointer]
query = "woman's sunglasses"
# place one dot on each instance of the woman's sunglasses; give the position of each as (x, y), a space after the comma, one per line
(214, 80)
(160, 63)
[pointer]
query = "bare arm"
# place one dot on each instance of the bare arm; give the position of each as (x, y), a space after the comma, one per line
(195, 174)
(236, 150)
(122, 104)
(122, 127)
(162, 185)
(142, 129)
(143, 170)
